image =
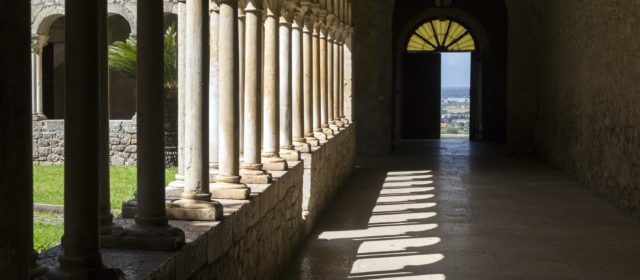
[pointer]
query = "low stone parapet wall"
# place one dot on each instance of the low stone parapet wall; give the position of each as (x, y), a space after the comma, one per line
(256, 238)
(48, 142)
(326, 170)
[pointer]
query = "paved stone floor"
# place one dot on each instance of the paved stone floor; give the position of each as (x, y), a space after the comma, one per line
(452, 209)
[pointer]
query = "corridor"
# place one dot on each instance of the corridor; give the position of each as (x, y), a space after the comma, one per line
(452, 209)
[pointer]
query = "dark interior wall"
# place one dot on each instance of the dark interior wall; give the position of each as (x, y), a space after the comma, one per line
(487, 22)
(374, 54)
(576, 68)
(122, 89)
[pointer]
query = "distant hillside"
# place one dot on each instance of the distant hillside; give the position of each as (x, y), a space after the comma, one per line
(455, 92)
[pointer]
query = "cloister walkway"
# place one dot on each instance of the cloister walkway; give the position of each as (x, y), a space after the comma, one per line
(452, 209)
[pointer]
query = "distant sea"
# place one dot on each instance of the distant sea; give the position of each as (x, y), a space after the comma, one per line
(455, 92)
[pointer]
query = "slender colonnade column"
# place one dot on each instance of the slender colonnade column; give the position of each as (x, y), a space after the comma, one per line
(307, 80)
(316, 98)
(297, 81)
(174, 189)
(341, 76)
(214, 18)
(287, 149)
(81, 258)
(271, 107)
(324, 82)
(151, 230)
(41, 41)
(331, 63)
(195, 202)
(337, 101)
(252, 171)
(240, 56)
(228, 185)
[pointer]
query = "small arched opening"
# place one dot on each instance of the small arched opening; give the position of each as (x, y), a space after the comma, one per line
(122, 88)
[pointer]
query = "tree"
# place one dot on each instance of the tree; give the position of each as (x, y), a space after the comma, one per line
(123, 58)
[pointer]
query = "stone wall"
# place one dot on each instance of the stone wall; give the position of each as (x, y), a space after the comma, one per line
(48, 142)
(256, 238)
(575, 72)
(326, 170)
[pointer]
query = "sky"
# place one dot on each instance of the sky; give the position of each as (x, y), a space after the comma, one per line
(456, 69)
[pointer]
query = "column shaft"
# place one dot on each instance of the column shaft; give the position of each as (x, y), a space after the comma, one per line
(271, 108)
(341, 79)
(182, 30)
(307, 80)
(228, 180)
(331, 101)
(286, 122)
(336, 96)
(316, 79)
(324, 120)
(16, 175)
(81, 257)
(240, 56)
(297, 82)
(214, 18)
(253, 88)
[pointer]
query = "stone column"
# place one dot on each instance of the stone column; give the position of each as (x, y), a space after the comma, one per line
(40, 42)
(151, 230)
(324, 82)
(81, 258)
(175, 188)
(330, 99)
(317, 130)
(252, 171)
(107, 227)
(297, 81)
(336, 78)
(241, 37)
(287, 149)
(17, 258)
(307, 83)
(195, 202)
(341, 79)
(271, 105)
(347, 75)
(228, 185)
(214, 18)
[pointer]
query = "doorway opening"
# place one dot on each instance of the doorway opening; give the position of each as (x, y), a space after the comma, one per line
(437, 81)
(455, 89)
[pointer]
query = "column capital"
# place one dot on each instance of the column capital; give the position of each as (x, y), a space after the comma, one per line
(272, 8)
(214, 6)
(38, 42)
(287, 12)
(252, 6)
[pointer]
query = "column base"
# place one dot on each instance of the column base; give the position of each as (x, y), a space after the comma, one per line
(194, 210)
(320, 136)
(107, 226)
(274, 163)
(254, 174)
(38, 117)
(290, 154)
(38, 271)
(175, 189)
(329, 132)
(213, 174)
(145, 237)
(302, 147)
(340, 124)
(224, 190)
(86, 268)
(314, 142)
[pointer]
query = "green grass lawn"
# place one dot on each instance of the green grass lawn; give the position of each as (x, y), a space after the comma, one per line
(48, 188)
(48, 184)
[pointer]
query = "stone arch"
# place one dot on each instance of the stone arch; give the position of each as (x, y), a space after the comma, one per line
(45, 18)
(128, 15)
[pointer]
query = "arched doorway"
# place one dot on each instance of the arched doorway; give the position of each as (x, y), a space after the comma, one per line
(423, 112)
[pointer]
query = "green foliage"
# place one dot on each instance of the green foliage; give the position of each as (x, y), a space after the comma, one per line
(123, 57)
(46, 235)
